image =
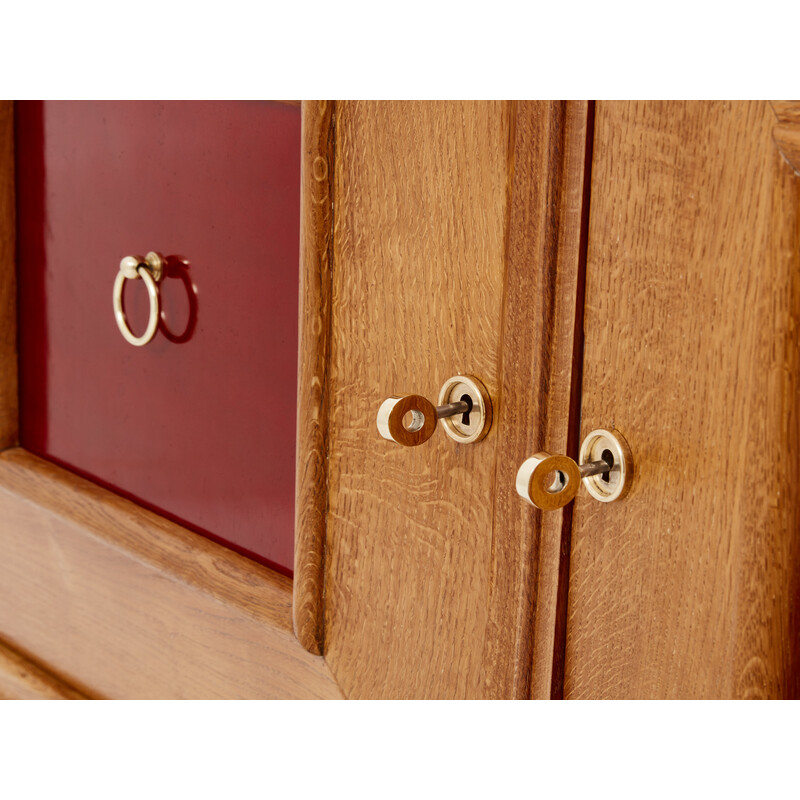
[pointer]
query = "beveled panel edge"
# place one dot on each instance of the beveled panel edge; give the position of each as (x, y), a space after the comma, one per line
(787, 110)
(786, 133)
(21, 679)
(124, 603)
(311, 500)
(9, 403)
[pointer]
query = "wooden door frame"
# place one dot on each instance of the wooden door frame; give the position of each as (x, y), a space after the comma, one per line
(102, 598)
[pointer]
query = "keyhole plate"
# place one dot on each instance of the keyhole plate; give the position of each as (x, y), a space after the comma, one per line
(620, 476)
(480, 415)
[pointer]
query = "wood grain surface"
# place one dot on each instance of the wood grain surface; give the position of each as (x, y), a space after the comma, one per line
(689, 587)
(536, 353)
(9, 427)
(430, 569)
(787, 110)
(311, 506)
(786, 132)
(21, 679)
(419, 239)
(125, 604)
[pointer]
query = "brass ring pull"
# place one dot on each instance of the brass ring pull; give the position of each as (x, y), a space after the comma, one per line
(150, 269)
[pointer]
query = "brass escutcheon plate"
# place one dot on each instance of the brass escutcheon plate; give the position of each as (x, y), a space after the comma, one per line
(480, 416)
(616, 483)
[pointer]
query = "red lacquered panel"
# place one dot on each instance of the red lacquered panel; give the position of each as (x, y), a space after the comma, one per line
(199, 424)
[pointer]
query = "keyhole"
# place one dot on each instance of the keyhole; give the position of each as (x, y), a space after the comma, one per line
(413, 420)
(465, 398)
(608, 457)
(558, 483)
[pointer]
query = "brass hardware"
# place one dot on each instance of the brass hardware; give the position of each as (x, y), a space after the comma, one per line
(410, 419)
(615, 483)
(150, 269)
(606, 470)
(466, 389)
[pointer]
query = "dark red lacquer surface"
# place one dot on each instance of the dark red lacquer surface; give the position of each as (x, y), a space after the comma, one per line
(200, 423)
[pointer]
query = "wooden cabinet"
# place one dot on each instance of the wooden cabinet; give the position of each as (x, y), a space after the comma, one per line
(627, 265)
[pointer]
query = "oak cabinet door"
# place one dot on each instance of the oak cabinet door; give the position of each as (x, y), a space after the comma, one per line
(625, 265)
(453, 249)
(689, 587)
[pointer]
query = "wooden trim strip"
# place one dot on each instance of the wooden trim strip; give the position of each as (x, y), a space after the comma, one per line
(316, 240)
(546, 173)
(128, 604)
(9, 415)
(552, 639)
(21, 679)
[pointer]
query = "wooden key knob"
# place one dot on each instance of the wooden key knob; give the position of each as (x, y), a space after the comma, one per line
(606, 469)
(547, 481)
(408, 420)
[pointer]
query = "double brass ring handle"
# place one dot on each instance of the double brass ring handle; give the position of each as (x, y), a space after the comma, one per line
(150, 269)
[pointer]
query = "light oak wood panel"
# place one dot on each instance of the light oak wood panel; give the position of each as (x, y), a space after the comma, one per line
(21, 679)
(689, 587)
(445, 263)
(313, 393)
(9, 429)
(125, 604)
(419, 244)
